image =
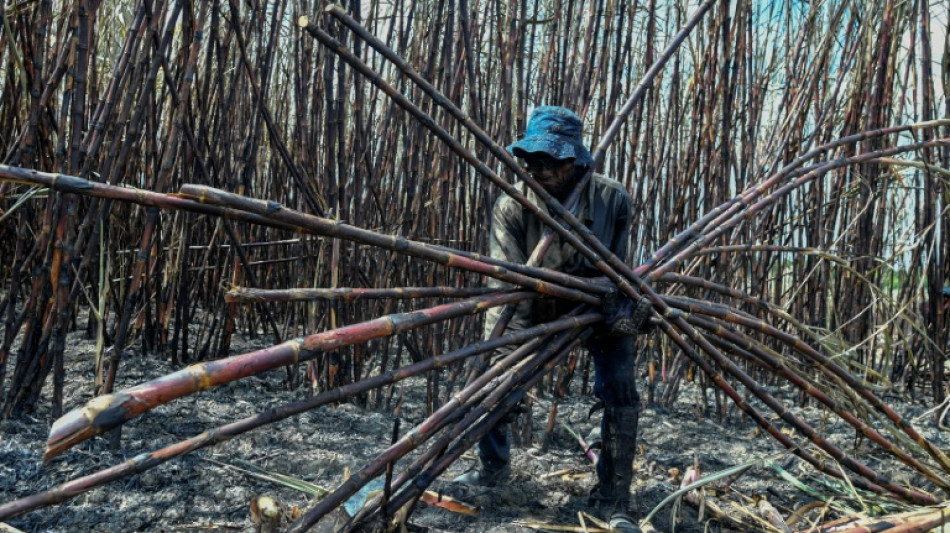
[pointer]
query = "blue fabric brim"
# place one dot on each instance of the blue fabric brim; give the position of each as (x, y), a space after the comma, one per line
(554, 147)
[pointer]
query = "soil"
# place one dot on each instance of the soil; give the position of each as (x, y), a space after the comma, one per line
(195, 492)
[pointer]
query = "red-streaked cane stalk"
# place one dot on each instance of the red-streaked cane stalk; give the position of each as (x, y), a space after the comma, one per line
(145, 461)
(332, 228)
(106, 412)
(350, 294)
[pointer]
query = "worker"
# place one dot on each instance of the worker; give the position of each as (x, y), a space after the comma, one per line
(554, 154)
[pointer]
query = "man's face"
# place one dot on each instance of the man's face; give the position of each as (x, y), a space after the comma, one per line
(555, 175)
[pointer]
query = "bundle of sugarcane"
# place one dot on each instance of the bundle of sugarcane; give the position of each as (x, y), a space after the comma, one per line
(712, 336)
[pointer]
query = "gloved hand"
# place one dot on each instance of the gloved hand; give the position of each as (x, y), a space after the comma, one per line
(623, 317)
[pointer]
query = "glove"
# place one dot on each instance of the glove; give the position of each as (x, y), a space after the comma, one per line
(623, 317)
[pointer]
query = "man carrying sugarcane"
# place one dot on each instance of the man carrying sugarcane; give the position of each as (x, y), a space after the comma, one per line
(554, 154)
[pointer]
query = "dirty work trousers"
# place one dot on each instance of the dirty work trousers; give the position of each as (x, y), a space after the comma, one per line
(614, 383)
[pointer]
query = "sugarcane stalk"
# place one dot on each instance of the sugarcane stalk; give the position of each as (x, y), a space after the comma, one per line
(822, 443)
(762, 304)
(680, 324)
(524, 377)
(744, 207)
(190, 138)
(725, 290)
(11, 320)
(145, 461)
(315, 201)
(918, 521)
(275, 211)
(110, 411)
(830, 368)
(423, 431)
(349, 294)
(532, 268)
(92, 146)
(687, 236)
(308, 224)
(468, 432)
(477, 394)
(934, 452)
(770, 360)
(753, 413)
(169, 155)
(27, 362)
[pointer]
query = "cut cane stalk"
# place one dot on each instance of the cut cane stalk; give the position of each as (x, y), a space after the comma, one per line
(145, 461)
(426, 429)
(106, 412)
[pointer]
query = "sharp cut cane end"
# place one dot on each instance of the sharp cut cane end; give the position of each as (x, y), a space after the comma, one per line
(63, 438)
(303, 21)
(79, 424)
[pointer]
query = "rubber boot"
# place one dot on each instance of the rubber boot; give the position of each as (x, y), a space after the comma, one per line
(611, 496)
(494, 458)
(485, 476)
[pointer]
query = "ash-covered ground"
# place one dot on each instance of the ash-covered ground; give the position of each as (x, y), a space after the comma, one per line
(195, 493)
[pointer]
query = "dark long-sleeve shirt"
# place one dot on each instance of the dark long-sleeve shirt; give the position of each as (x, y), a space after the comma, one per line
(604, 207)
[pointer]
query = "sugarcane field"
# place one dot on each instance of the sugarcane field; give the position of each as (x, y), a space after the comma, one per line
(626, 266)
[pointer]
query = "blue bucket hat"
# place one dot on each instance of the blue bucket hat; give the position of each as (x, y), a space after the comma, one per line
(555, 131)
